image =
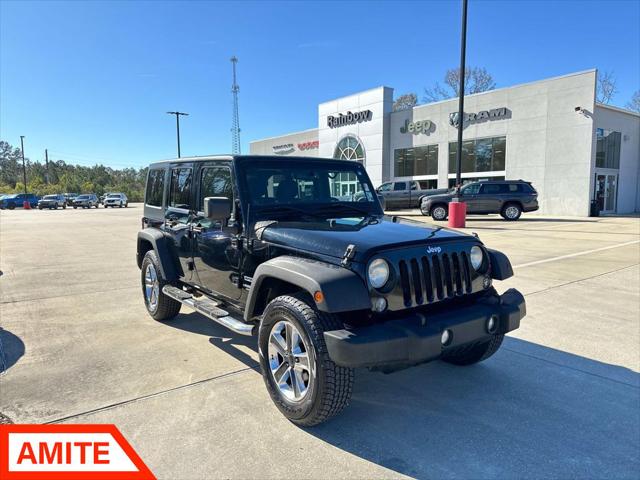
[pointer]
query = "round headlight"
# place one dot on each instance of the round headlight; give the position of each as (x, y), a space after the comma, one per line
(378, 273)
(476, 256)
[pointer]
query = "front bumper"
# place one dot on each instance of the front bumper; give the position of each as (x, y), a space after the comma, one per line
(416, 338)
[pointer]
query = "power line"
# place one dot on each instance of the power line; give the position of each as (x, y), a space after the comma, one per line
(235, 121)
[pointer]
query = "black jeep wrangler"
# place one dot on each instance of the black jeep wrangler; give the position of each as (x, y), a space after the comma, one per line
(270, 246)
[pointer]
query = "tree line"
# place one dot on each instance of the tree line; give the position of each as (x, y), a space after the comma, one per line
(478, 79)
(62, 177)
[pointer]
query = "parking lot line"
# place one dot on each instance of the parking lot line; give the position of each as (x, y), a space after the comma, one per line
(577, 254)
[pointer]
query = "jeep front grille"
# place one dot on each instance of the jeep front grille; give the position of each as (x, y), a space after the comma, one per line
(432, 278)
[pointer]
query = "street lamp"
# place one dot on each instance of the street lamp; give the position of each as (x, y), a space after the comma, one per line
(24, 168)
(458, 209)
(177, 114)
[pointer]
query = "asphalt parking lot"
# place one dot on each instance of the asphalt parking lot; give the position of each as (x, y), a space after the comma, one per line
(560, 399)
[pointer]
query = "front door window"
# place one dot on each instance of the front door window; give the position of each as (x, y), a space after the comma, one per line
(606, 186)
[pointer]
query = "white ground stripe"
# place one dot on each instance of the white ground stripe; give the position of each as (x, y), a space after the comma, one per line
(571, 255)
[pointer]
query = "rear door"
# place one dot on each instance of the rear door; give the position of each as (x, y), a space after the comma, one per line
(491, 197)
(177, 214)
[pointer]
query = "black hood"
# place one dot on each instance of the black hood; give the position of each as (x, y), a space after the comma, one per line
(332, 237)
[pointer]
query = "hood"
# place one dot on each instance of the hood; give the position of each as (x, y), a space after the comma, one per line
(332, 237)
(440, 196)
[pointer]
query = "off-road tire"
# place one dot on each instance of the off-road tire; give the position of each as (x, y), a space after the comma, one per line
(470, 354)
(331, 389)
(166, 308)
(512, 218)
(435, 212)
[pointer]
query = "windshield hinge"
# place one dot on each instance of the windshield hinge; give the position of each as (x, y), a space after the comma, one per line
(349, 253)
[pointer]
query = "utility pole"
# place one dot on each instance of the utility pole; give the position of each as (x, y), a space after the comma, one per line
(24, 168)
(457, 208)
(235, 121)
(177, 114)
(463, 48)
(46, 162)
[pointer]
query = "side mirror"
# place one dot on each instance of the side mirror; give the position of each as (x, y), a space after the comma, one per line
(217, 208)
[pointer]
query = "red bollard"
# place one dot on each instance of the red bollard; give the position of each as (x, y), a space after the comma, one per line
(26, 205)
(457, 214)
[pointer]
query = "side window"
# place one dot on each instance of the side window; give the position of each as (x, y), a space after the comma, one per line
(155, 187)
(414, 185)
(215, 182)
(512, 188)
(398, 186)
(385, 187)
(491, 189)
(180, 194)
(471, 189)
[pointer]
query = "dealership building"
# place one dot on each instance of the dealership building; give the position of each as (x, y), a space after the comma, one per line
(551, 133)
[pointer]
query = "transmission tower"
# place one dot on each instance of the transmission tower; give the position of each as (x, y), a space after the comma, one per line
(235, 123)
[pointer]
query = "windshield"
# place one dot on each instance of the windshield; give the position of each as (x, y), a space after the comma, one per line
(113, 195)
(83, 197)
(50, 197)
(311, 187)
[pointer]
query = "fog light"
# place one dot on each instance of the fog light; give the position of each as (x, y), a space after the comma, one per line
(446, 337)
(486, 282)
(492, 324)
(378, 304)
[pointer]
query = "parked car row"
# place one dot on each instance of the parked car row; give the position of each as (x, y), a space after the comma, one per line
(509, 198)
(62, 200)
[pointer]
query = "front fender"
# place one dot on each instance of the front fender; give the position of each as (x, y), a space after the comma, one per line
(500, 265)
(163, 248)
(343, 290)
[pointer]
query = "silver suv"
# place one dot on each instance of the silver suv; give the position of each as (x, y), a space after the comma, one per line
(116, 200)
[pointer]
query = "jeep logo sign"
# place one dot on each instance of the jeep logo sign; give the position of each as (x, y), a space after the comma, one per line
(419, 126)
(434, 249)
(349, 118)
(495, 114)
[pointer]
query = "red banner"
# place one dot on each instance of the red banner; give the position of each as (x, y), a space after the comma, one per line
(70, 452)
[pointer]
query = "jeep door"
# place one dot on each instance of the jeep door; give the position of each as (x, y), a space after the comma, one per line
(177, 215)
(216, 255)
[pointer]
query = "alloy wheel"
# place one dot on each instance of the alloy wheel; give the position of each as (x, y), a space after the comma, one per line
(151, 286)
(511, 212)
(289, 361)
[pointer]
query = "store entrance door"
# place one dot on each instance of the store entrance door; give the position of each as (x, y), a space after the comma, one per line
(606, 189)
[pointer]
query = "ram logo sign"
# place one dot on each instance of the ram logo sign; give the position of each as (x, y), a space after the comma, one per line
(494, 114)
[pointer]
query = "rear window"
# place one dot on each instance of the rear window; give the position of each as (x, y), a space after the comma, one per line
(180, 194)
(155, 187)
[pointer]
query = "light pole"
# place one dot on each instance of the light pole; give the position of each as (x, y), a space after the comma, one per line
(458, 209)
(177, 114)
(24, 168)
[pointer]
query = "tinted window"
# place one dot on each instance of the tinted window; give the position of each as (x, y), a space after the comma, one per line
(471, 189)
(180, 194)
(216, 182)
(428, 184)
(385, 187)
(155, 187)
(399, 186)
(493, 189)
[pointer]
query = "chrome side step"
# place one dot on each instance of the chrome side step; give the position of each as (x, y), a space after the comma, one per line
(209, 308)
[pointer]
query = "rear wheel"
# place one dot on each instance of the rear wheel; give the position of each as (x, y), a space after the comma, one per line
(306, 386)
(468, 355)
(439, 212)
(159, 305)
(511, 211)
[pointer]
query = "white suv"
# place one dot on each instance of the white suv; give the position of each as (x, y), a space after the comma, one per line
(116, 200)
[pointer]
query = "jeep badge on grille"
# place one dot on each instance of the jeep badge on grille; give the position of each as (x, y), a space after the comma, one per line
(434, 249)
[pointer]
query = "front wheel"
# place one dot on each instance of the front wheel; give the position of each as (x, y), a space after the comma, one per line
(468, 355)
(303, 382)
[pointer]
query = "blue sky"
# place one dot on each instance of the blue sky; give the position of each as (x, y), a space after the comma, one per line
(91, 81)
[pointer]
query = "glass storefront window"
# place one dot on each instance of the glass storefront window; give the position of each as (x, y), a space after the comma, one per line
(416, 161)
(607, 148)
(481, 155)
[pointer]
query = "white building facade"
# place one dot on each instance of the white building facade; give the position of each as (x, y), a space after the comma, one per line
(551, 133)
